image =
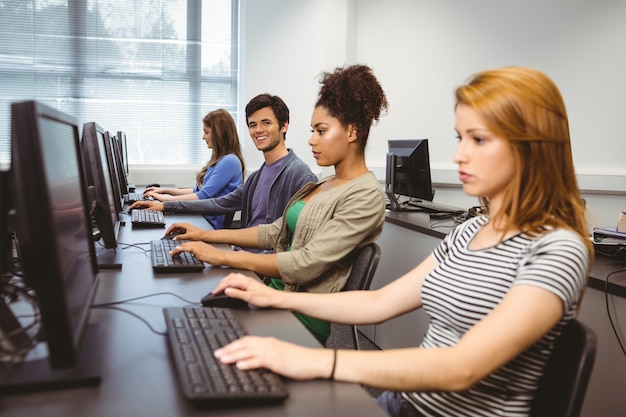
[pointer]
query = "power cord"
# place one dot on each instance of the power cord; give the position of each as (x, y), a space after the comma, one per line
(608, 310)
(17, 339)
(113, 305)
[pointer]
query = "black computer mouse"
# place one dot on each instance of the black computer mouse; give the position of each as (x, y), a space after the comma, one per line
(222, 300)
(174, 233)
(154, 184)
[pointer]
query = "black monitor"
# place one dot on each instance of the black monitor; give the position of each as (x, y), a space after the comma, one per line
(6, 235)
(118, 164)
(57, 257)
(408, 171)
(121, 137)
(122, 141)
(118, 190)
(105, 205)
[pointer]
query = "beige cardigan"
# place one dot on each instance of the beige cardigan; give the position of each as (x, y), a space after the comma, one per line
(331, 225)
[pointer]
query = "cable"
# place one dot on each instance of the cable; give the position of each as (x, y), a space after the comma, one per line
(608, 310)
(113, 306)
(142, 297)
(137, 316)
(17, 339)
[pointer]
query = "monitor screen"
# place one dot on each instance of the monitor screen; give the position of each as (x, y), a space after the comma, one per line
(408, 171)
(53, 231)
(117, 163)
(6, 236)
(99, 176)
(121, 137)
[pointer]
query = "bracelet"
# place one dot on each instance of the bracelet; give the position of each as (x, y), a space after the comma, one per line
(332, 372)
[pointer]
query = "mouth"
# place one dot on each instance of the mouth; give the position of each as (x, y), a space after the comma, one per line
(464, 176)
(316, 155)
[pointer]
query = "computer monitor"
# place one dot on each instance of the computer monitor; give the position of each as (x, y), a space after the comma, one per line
(408, 172)
(6, 235)
(57, 257)
(121, 137)
(123, 143)
(118, 190)
(101, 195)
(117, 163)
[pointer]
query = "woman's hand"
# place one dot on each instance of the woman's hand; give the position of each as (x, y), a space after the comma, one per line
(203, 251)
(150, 205)
(158, 196)
(250, 290)
(191, 232)
(288, 359)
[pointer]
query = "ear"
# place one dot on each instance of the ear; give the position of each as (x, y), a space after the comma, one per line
(284, 128)
(352, 134)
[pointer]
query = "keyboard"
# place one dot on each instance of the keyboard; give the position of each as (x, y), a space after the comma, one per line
(426, 206)
(193, 334)
(162, 261)
(130, 198)
(147, 218)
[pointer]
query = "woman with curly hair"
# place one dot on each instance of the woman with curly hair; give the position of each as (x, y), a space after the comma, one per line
(222, 174)
(314, 242)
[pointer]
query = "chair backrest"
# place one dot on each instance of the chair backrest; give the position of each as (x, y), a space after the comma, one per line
(363, 269)
(564, 383)
(228, 219)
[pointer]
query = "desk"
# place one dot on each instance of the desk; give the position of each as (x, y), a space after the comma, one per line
(138, 379)
(407, 238)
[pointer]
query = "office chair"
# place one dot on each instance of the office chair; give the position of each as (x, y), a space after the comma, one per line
(228, 219)
(562, 388)
(344, 336)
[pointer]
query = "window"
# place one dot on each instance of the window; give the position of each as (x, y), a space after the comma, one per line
(150, 68)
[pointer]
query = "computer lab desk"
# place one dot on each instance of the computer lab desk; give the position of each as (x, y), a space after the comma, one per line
(137, 376)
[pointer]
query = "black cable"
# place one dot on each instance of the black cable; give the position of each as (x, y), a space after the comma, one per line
(142, 297)
(137, 316)
(113, 306)
(608, 310)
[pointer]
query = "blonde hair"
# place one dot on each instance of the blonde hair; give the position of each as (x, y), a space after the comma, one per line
(225, 140)
(524, 106)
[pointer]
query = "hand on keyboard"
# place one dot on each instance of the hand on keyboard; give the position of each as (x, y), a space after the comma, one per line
(203, 251)
(150, 205)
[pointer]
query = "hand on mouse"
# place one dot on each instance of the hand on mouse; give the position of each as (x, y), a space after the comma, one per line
(250, 290)
(191, 232)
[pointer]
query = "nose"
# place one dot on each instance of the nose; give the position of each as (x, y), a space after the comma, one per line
(460, 153)
(311, 141)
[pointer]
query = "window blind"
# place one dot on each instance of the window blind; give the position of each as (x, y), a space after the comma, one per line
(150, 68)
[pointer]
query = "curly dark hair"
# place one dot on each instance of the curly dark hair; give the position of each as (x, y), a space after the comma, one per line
(353, 96)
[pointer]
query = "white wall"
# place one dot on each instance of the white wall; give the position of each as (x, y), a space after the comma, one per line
(421, 49)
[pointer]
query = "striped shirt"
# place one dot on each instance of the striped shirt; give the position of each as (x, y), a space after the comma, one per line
(468, 284)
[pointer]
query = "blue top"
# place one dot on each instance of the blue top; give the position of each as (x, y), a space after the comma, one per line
(220, 179)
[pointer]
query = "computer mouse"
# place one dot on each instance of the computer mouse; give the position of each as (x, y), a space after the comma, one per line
(222, 300)
(153, 185)
(174, 233)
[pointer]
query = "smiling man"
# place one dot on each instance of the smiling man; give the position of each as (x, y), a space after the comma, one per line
(265, 193)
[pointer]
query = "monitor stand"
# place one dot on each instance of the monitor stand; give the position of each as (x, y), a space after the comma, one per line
(108, 258)
(36, 375)
(395, 205)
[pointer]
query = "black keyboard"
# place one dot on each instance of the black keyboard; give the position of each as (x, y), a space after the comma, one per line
(193, 334)
(130, 198)
(147, 218)
(162, 261)
(426, 206)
